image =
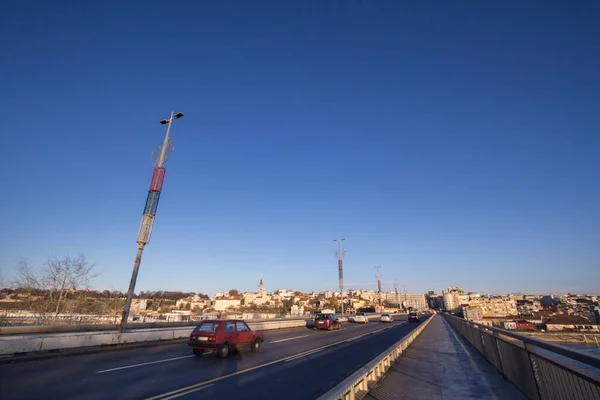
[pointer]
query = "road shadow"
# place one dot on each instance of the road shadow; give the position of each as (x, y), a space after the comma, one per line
(232, 368)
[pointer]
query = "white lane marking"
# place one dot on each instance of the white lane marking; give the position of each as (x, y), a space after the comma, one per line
(192, 388)
(208, 353)
(191, 391)
(352, 339)
(142, 364)
(292, 338)
(303, 355)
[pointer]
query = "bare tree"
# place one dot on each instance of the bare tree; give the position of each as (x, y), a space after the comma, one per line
(54, 281)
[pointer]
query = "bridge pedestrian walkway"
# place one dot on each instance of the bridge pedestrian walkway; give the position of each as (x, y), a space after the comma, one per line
(441, 364)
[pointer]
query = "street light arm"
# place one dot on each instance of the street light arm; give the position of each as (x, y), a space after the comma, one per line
(163, 151)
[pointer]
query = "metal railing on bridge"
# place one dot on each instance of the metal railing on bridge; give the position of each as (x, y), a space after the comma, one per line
(541, 370)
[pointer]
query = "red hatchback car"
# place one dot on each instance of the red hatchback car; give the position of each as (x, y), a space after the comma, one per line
(224, 336)
(326, 321)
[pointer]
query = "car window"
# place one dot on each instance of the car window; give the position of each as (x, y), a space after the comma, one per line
(229, 327)
(207, 327)
(241, 326)
(321, 317)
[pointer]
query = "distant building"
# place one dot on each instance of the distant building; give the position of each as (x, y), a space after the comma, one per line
(297, 311)
(477, 295)
(194, 302)
(528, 307)
(261, 297)
(434, 301)
(451, 298)
(472, 313)
(285, 293)
(229, 303)
(138, 305)
(571, 322)
(497, 307)
(415, 301)
(547, 301)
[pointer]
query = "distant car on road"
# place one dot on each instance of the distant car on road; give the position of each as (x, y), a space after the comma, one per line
(413, 317)
(386, 318)
(326, 321)
(361, 318)
(224, 336)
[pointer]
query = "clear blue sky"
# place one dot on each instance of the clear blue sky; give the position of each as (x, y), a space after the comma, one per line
(452, 143)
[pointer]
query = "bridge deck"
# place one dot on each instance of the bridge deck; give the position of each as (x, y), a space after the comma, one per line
(441, 364)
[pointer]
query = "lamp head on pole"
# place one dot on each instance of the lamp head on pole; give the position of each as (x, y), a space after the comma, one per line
(176, 116)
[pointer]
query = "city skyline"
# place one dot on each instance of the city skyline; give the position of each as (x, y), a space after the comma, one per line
(387, 287)
(429, 136)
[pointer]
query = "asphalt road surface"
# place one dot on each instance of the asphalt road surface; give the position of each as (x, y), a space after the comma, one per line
(296, 363)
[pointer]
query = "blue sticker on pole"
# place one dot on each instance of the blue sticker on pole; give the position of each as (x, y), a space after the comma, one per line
(152, 202)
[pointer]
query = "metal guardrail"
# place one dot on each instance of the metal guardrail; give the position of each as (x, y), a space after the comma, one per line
(541, 370)
(356, 386)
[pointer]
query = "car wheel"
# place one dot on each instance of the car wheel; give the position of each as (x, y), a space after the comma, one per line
(255, 345)
(223, 351)
(198, 353)
(330, 328)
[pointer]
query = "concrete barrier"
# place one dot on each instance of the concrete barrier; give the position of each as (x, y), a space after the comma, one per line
(11, 345)
(358, 384)
(19, 344)
(27, 330)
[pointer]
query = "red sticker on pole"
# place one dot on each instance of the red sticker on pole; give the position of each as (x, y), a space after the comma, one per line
(158, 177)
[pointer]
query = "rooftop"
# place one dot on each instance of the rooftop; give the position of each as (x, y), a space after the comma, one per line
(563, 319)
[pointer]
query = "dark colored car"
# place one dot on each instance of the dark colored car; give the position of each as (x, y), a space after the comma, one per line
(326, 321)
(224, 336)
(413, 317)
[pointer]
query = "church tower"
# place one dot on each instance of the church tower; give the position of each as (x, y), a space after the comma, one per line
(261, 288)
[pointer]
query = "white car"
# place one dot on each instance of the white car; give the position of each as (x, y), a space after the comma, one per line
(361, 318)
(386, 318)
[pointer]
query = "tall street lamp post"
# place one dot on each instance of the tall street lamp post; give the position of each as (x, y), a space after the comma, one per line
(340, 256)
(150, 208)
